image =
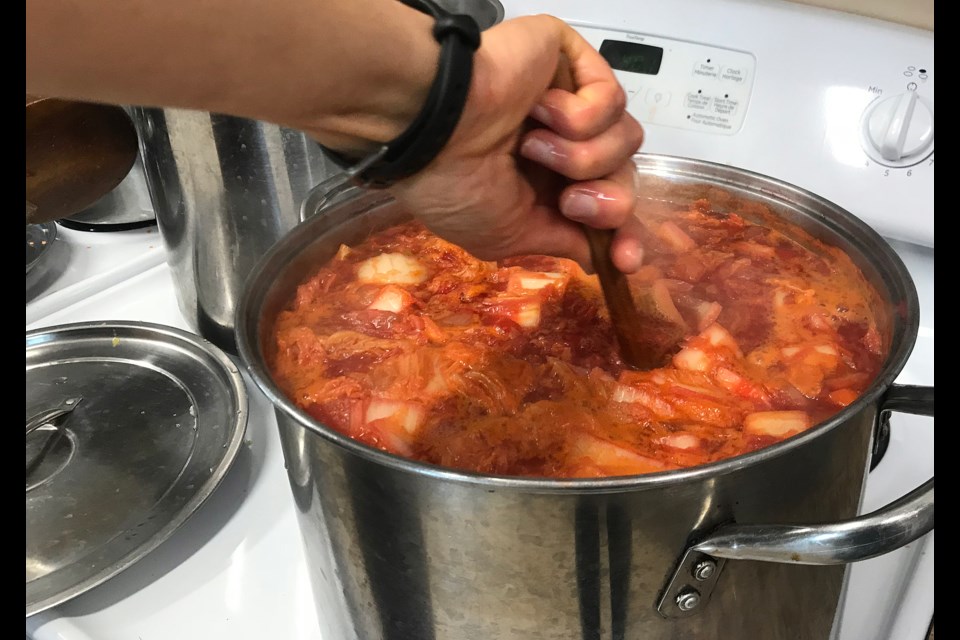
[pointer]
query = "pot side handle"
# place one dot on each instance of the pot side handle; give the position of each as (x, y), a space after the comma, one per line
(330, 190)
(860, 538)
(853, 540)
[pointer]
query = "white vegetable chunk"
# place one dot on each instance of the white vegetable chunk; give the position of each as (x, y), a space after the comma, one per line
(624, 393)
(675, 237)
(391, 298)
(692, 359)
(536, 280)
(776, 423)
(402, 414)
(529, 315)
(681, 441)
(391, 268)
(720, 337)
(614, 458)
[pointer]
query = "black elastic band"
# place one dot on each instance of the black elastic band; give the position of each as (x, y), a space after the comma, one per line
(419, 144)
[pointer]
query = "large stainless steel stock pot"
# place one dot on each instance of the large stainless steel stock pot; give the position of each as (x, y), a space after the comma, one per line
(750, 547)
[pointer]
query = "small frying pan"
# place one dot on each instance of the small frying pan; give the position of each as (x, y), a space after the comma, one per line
(77, 152)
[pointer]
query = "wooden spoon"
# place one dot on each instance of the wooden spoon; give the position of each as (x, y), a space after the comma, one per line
(76, 153)
(645, 336)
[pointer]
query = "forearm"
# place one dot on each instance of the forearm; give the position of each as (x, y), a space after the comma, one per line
(361, 68)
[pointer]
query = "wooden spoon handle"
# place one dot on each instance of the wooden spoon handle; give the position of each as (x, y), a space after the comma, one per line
(619, 300)
(613, 282)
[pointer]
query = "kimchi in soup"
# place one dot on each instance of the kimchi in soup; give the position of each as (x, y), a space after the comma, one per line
(409, 344)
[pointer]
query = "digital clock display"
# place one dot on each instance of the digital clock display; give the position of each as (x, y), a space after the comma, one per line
(632, 56)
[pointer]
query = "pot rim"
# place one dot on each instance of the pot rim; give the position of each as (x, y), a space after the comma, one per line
(845, 224)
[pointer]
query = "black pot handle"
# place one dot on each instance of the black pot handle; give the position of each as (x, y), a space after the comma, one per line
(853, 540)
(906, 398)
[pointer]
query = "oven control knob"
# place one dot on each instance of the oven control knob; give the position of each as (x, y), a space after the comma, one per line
(897, 131)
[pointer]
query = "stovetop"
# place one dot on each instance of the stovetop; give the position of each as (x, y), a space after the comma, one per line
(236, 566)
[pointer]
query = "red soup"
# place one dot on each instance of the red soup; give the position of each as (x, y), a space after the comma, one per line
(407, 343)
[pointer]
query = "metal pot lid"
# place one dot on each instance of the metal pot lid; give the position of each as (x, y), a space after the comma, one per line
(130, 427)
(40, 238)
(97, 220)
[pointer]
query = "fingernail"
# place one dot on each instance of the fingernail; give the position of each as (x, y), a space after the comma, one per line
(580, 206)
(542, 114)
(539, 151)
(631, 258)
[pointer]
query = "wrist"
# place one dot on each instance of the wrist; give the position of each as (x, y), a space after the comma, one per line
(387, 92)
(430, 131)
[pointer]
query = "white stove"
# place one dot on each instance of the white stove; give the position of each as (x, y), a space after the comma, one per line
(782, 91)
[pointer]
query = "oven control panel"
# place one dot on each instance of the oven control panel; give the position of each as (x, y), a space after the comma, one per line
(679, 84)
(836, 104)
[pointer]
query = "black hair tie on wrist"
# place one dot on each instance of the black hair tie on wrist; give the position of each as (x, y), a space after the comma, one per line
(419, 144)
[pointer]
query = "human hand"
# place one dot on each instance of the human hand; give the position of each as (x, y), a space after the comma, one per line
(488, 190)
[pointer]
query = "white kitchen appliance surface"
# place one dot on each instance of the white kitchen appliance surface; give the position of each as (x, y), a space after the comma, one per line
(838, 104)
